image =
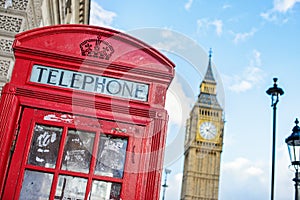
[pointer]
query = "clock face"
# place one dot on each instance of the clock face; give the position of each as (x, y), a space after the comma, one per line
(208, 130)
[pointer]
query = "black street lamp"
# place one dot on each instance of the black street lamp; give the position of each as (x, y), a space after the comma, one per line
(293, 143)
(275, 92)
(167, 171)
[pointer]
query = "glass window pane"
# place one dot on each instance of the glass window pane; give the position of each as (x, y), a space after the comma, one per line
(102, 190)
(44, 146)
(69, 187)
(36, 185)
(111, 156)
(78, 151)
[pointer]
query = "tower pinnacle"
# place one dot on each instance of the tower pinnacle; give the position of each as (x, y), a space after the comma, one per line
(209, 77)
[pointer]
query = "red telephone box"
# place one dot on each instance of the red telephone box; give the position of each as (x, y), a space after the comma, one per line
(83, 116)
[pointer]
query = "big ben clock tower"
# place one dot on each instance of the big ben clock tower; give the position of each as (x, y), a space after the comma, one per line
(203, 143)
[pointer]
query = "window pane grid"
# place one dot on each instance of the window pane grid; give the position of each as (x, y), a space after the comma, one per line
(105, 154)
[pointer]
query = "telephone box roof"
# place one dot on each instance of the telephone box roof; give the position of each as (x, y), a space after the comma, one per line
(92, 44)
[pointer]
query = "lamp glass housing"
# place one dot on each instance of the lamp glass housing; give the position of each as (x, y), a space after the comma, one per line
(293, 143)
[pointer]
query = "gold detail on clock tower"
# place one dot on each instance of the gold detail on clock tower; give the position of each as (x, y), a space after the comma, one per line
(203, 143)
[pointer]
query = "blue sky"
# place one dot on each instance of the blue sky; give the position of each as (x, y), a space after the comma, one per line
(252, 41)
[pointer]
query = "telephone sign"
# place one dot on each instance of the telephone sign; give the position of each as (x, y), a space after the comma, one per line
(89, 82)
(83, 116)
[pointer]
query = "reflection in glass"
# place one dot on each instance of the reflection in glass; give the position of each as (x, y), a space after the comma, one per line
(69, 187)
(36, 185)
(102, 190)
(44, 146)
(111, 156)
(78, 151)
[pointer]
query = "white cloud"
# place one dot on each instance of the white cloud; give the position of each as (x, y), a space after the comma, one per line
(177, 102)
(248, 179)
(256, 61)
(273, 16)
(219, 25)
(101, 17)
(169, 43)
(283, 173)
(284, 5)
(280, 8)
(245, 178)
(254, 171)
(269, 16)
(241, 86)
(243, 36)
(204, 24)
(243, 166)
(252, 75)
(188, 4)
(174, 186)
(238, 163)
(226, 6)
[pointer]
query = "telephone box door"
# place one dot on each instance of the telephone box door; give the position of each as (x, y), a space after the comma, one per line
(62, 156)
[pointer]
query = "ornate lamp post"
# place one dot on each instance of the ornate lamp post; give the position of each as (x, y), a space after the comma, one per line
(167, 171)
(293, 143)
(275, 92)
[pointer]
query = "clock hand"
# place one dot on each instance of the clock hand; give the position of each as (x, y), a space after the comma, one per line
(211, 132)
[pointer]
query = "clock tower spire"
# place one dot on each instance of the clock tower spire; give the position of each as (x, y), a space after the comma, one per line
(208, 84)
(203, 143)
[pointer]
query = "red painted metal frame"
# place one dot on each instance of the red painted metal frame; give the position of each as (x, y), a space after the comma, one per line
(59, 47)
(33, 116)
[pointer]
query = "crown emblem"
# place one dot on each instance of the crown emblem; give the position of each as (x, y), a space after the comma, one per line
(96, 48)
